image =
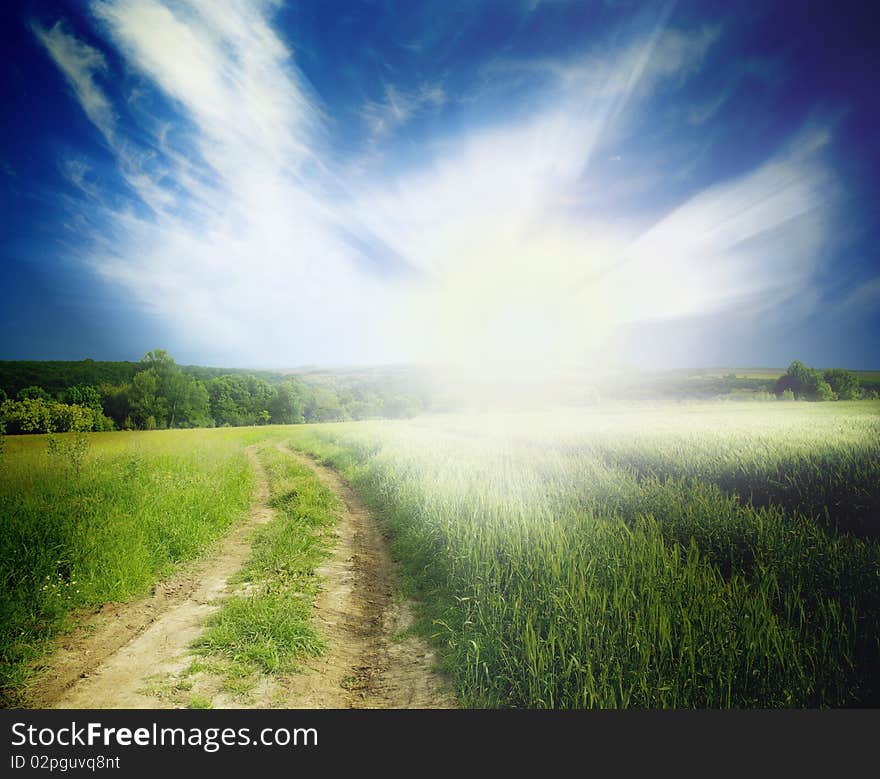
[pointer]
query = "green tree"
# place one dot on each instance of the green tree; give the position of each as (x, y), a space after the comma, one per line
(804, 382)
(174, 389)
(844, 384)
(33, 393)
(323, 406)
(195, 410)
(115, 401)
(239, 400)
(224, 395)
(73, 447)
(286, 406)
(144, 399)
(171, 386)
(86, 396)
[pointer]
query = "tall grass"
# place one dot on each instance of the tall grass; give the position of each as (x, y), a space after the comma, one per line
(142, 503)
(553, 577)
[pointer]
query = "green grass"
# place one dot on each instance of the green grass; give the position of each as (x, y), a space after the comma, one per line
(555, 576)
(678, 555)
(144, 503)
(270, 628)
(200, 702)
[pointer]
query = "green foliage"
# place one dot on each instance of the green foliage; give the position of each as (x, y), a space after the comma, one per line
(56, 377)
(823, 391)
(71, 449)
(116, 403)
(86, 396)
(146, 404)
(33, 393)
(158, 393)
(239, 400)
(324, 406)
(812, 384)
(162, 390)
(286, 407)
(42, 416)
(144, 504)
(844, 384)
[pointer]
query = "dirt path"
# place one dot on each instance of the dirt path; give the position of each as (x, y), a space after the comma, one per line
(372, 662)
(136, 655)
(114, 659)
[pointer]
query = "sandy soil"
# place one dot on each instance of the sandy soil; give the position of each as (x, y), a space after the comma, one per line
(136, 655)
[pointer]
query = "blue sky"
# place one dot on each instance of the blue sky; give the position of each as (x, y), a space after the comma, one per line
(538, 182)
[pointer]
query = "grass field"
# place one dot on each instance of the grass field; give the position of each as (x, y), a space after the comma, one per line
(683, 555)
(142, 503)
(615, 558)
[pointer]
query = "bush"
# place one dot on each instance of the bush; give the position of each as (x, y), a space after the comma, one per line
(33, 415)
(812, 384)
(844, 384)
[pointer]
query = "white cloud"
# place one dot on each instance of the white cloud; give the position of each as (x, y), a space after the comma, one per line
(80, 64)
(754, 241)
(517, 269)
(399, 106)
(245, 247)
(241, 253)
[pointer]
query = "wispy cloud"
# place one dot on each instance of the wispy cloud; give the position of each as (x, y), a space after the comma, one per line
(519, 269)
(702, 112)
(399, 106)
(80, 64)
(863, 300)
(241, 249)
(753, 242)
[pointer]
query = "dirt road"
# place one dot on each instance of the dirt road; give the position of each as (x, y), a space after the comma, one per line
(371, 662)
(138, 655)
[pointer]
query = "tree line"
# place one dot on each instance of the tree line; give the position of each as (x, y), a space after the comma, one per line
(802, 383)
(157, 393)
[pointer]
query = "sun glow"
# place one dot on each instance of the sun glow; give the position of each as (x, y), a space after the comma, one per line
(524, 241)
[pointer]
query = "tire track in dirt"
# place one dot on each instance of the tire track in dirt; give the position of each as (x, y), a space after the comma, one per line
(371, 661)
(111, 660)
(130, 655)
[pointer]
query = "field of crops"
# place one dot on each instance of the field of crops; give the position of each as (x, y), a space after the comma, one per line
(710, 555)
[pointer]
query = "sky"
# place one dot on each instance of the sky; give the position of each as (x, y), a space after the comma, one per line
(536, 183)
